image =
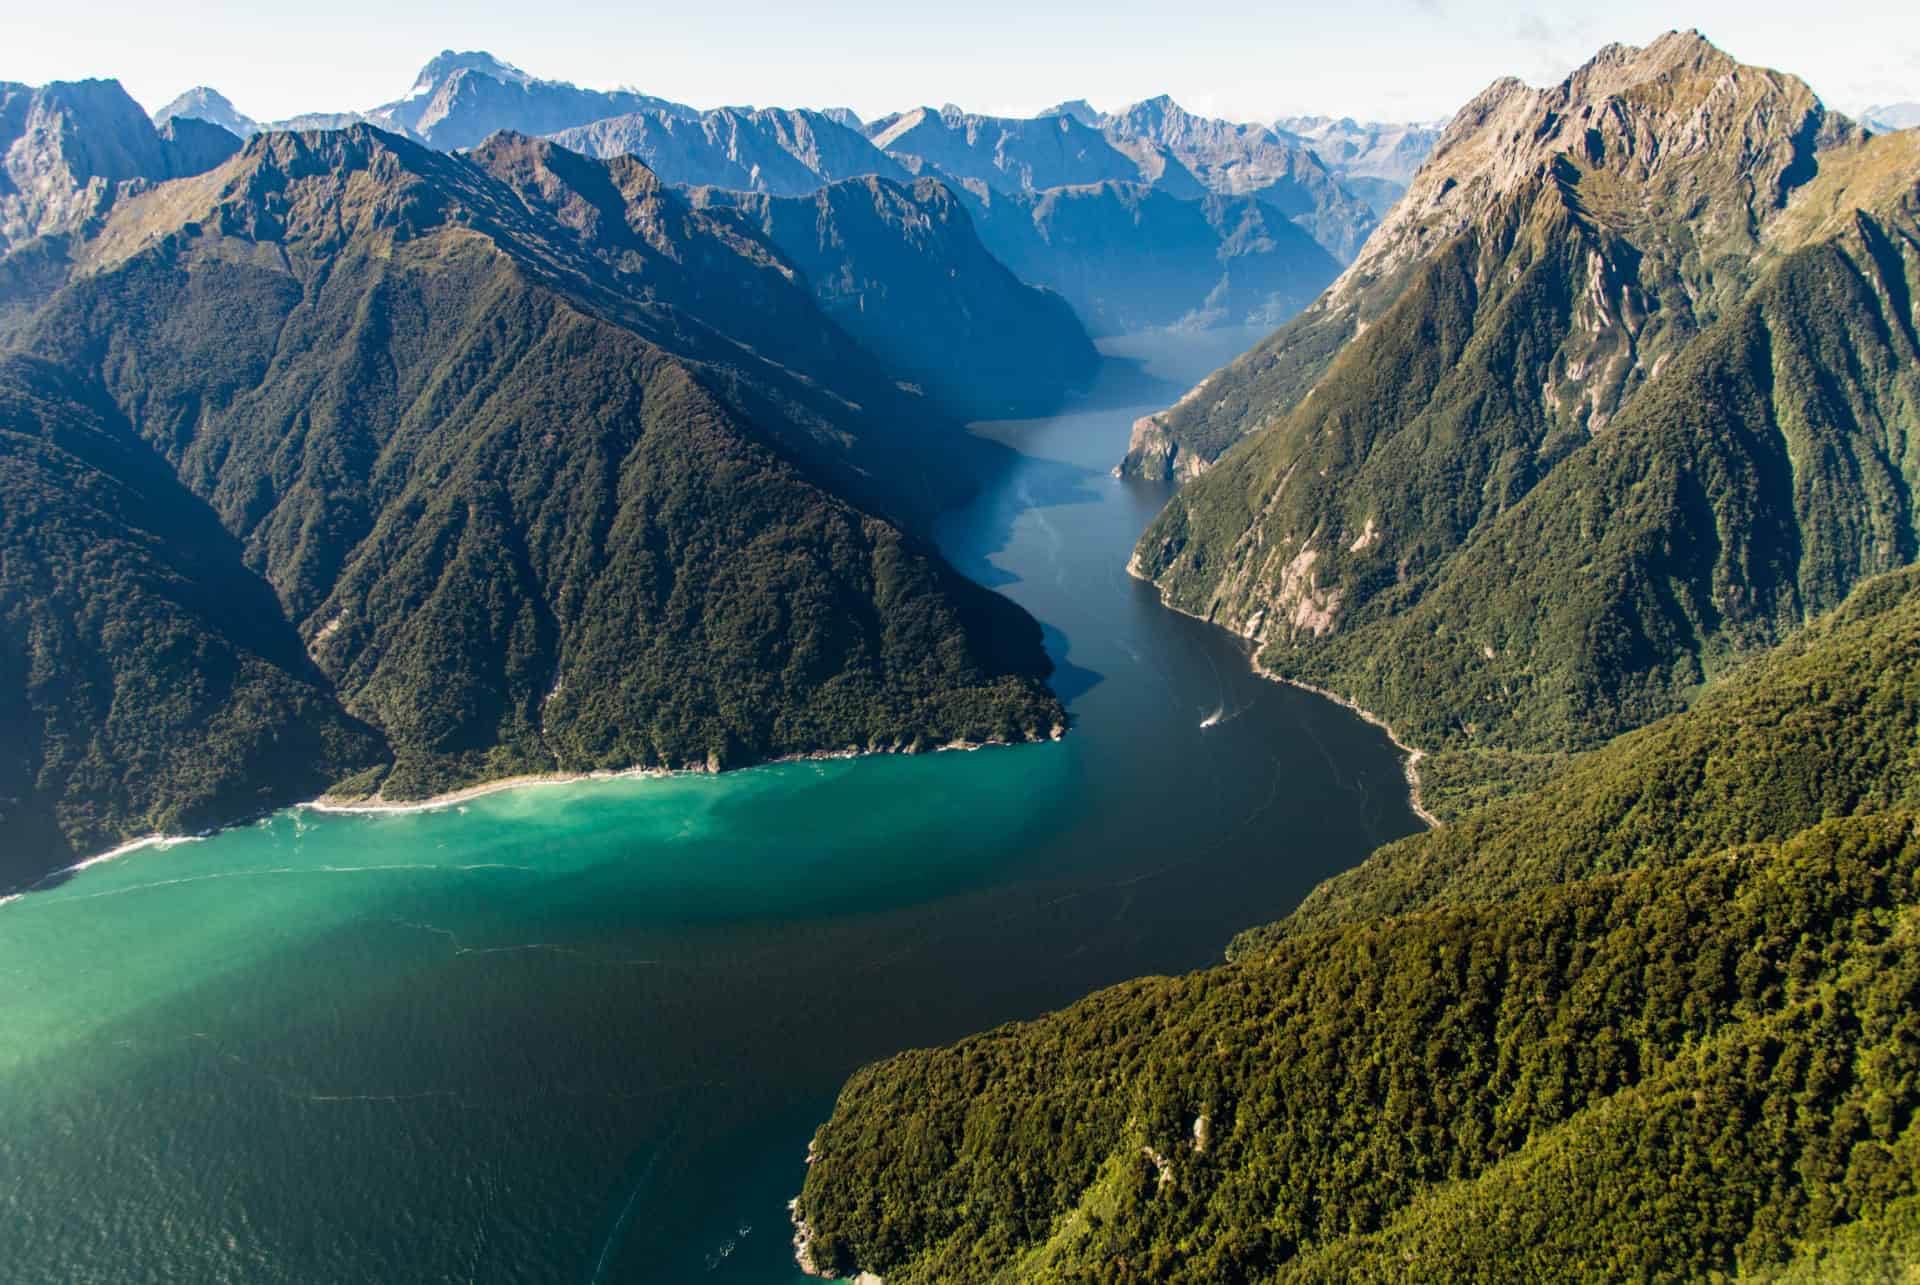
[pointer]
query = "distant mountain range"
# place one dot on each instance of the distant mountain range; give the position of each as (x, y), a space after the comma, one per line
(1374, 161)
(67, 151)
(1127, 256)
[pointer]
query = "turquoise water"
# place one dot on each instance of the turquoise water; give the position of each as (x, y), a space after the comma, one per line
(581, 1033)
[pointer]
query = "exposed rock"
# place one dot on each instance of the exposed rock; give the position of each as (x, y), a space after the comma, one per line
(70, 149)
(458, 99)
(785, 153)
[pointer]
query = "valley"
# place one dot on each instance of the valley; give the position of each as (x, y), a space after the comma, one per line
(1080, 695)
(587, 1029)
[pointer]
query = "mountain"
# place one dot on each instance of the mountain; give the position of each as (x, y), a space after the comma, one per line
(1007, 154)
(354, 462)
(1375, 161)
(1246, 160)
(1127, 255)
(1154, 143)
(786, 153)
(1596, 418)
(459, 99)
(1589, 170)
(900, 266)
(1891, 116)
(69, 149)
(1653, 1021)
(1132, 257)
(210, 105)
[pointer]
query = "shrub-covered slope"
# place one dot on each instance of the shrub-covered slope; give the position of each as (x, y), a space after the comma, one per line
(1690, 1048)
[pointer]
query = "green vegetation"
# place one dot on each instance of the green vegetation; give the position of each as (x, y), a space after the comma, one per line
(147, 680)
(1691, 1047)
(1454, 535)
(504, 463)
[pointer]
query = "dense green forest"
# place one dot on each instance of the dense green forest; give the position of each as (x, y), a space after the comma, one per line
(427, 469)
(1691, 1047)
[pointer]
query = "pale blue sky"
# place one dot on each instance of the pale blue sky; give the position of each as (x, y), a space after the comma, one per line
(1387, 59)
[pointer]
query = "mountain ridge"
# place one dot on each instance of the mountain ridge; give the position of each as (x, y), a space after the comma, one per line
(545, 469)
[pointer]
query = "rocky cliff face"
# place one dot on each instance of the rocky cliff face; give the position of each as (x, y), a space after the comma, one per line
(70, 149)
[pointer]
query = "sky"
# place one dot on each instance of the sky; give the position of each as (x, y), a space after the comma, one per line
(1371, 59)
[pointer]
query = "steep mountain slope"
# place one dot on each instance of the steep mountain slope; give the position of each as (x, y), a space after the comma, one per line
(902, 269)
(458, 99)
(147, 679)
(68, 150)
(547, 470)
(1635, 169)
(1494, 525)
(786, 153)
(1697, 1057)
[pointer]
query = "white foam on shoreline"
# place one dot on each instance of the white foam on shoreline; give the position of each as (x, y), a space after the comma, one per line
(114, 854)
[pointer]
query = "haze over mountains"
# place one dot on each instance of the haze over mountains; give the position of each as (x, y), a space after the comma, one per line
(1122, 214)
(1891, 116)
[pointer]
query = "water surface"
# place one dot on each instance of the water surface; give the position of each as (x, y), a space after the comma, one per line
(581, 1033)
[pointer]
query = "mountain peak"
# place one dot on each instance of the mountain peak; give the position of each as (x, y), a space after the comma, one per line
(1684, 124)
(447, 64)
(203, 102)
(1077, 109)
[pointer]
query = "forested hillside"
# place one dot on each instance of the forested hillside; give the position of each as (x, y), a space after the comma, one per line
(1689, 1048)
(1608, 428)
(534, 466)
